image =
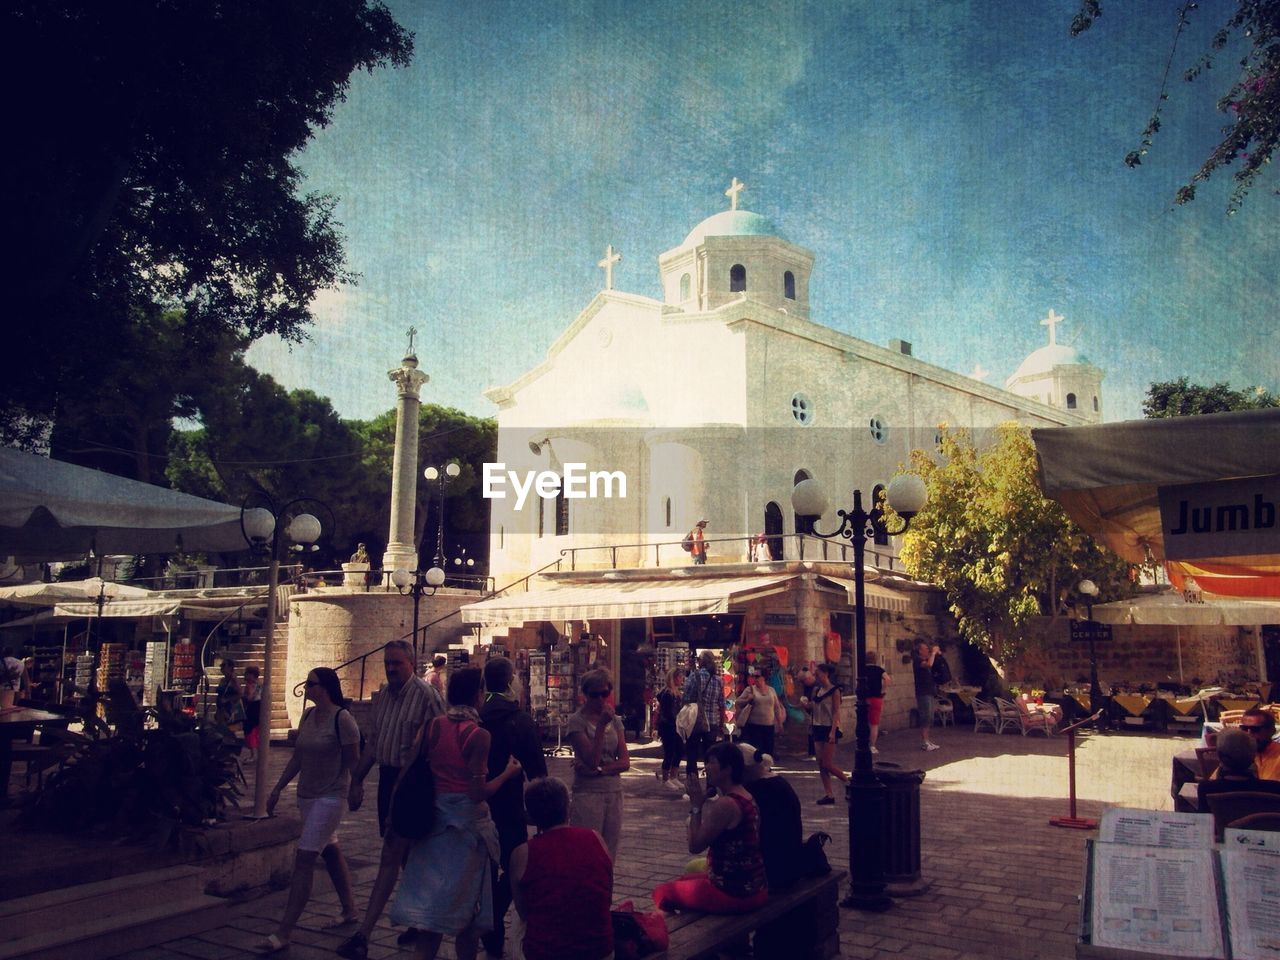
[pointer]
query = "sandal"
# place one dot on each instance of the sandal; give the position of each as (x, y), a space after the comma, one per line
(342, 921)
(269, 945)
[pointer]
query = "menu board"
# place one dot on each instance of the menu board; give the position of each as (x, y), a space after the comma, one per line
(1156, 886)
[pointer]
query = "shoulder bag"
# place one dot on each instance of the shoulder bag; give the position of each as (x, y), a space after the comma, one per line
(413, 803)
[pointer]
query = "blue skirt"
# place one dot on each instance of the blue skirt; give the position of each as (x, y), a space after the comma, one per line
(446, 887)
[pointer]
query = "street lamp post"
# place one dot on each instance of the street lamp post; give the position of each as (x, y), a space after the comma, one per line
(906, 494)
(262, 529)
(441, 475)
(1089, 590)
(418, 582)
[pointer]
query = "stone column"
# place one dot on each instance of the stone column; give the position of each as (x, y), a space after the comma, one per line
(401, 553)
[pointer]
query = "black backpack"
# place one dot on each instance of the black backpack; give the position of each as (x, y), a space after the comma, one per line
(687, 543)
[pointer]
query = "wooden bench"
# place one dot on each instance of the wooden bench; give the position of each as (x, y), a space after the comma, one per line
(800, 923)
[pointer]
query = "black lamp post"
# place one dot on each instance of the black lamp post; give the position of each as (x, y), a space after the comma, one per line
(262, 529)
(441, 475)
(416, 583)
(906, 494)
(1089, 590)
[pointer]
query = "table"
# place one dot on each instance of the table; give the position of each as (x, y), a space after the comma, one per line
(20, 723)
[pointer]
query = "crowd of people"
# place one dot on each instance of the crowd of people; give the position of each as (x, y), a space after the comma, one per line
(477, 859)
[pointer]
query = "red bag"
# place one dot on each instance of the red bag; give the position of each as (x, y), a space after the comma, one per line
(637, 934)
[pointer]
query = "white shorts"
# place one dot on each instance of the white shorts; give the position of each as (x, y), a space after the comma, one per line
(320, 819)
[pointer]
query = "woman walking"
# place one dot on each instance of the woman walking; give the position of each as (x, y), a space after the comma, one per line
(230, 710)
(669, 703)
(446, 887)
(763, 712)
(252, 710)
(877, 685)
(825, 706)
(325, 752)
(599, 759)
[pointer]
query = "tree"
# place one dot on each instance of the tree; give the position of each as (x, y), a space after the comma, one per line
(122, 421)
(154, 165)
(997, 547)
(1180, 398)
(1252, 102)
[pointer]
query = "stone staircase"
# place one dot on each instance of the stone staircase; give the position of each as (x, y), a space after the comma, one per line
(250, 651)
(90, 921)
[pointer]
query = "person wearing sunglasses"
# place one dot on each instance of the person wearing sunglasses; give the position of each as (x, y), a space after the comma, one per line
(599, 758)
(1260, 724)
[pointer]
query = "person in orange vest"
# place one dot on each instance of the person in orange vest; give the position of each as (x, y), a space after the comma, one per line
(699, 547)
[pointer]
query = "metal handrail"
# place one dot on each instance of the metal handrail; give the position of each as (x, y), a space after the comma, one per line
(802, 538)
(362, 658)
(204, 647)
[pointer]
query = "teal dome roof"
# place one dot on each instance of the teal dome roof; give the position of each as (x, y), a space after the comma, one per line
(1042, 361)
(732, 223)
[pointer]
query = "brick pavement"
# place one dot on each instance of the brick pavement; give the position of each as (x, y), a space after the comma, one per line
(1003, 883)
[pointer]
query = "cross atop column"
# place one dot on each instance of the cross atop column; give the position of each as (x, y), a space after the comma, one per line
(610, 258)
(1052, 321)
(413, 332)
(735, 188)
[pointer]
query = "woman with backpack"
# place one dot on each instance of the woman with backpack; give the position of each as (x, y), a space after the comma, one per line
(324, 754)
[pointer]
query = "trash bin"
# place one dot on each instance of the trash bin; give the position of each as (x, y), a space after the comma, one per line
(901, 829)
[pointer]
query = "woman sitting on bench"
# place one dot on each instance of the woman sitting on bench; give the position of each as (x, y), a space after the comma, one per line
(728, 828)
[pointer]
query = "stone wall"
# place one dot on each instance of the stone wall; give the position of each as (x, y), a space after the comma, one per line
(1141, 655)
(331, 626)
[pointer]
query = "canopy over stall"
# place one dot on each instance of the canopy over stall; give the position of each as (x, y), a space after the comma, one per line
(51, 510)
(623, 599)
(1200, 492)
(1172, 610)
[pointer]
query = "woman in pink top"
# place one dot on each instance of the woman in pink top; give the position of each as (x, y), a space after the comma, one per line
(562, 881)
(445, 889)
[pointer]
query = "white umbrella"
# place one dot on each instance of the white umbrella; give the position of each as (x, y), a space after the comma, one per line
(66, 591)
(1171, 610)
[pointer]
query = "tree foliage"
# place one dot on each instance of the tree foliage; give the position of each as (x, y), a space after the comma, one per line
(999, 549)
(1180, 398)
(154, 165)
(1252, 102)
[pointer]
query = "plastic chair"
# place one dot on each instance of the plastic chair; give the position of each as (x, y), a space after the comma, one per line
(944, 711)
(985, 715)
(1257, 821)
(1010, 717)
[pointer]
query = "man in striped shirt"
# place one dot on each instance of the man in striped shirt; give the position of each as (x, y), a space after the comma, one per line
(399, 711)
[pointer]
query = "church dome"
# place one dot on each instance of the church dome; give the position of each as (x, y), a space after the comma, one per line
(1041, 362)
(732, 223)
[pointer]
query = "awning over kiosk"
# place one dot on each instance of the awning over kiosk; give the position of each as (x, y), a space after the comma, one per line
(624, 600)
(881, 598)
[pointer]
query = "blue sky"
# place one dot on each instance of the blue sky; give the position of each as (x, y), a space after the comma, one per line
(956, 167)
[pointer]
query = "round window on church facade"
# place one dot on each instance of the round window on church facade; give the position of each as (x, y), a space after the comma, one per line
(879, 430)
(802, 409)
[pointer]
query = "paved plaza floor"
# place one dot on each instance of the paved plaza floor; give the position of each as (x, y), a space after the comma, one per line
(1003, 883)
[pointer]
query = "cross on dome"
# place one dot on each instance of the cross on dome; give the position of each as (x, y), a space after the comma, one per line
(1052, 321)
(610, 258)
(735, 188)
(413, 332)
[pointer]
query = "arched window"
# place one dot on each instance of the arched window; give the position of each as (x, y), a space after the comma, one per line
(877, 492)
(789, 285)
(1095, 404)
(1071, 401)
(667, 508)
(685, 286)
(737, 278)
(773, 525)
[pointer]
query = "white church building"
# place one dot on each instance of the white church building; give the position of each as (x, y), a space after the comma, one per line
(712, 403)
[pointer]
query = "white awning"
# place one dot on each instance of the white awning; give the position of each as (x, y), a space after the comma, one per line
(624, 600)
(881, 598)
(1169, 609)
(119, 608)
